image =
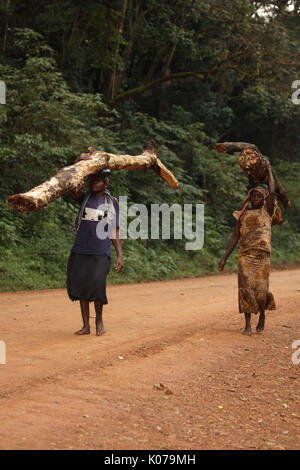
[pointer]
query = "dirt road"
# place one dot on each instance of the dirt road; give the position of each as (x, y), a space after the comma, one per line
(219, 389)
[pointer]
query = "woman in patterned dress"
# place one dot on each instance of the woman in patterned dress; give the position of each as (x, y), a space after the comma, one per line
(253, 229)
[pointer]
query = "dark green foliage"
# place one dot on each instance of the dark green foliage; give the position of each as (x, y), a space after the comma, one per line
(185, 74)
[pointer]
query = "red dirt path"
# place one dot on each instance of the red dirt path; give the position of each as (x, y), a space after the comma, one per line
(222, 390)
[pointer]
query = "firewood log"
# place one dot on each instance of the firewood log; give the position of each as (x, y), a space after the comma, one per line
(253, 163)
(71, 177)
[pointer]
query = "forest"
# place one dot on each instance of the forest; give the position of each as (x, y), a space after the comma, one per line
(115, 74)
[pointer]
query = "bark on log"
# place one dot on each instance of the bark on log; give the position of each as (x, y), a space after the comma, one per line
(259, 172)
(69, 178)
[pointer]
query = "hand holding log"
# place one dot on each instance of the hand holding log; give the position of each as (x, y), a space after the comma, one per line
(70, 177)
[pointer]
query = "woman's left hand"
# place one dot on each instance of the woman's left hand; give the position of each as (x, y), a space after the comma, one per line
(268, 164)
(119, 264)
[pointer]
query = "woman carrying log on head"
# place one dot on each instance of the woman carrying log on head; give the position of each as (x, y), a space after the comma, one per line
(89, 263)
(253, 229)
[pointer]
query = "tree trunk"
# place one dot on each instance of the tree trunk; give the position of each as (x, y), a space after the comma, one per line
(68, 178)
(6, 27)
(259, 173)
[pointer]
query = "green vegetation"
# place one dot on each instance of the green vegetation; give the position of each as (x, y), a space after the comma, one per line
(115, 74)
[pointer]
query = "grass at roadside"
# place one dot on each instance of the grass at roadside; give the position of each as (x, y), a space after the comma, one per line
(41, 263)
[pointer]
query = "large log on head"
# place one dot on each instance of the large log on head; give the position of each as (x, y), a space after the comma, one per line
(70, 177)
(253, 163)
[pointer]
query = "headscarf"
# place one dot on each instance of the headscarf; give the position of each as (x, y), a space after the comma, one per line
(103, 174)
(261, 188)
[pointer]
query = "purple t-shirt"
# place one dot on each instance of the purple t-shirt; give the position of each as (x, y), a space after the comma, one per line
(98, 218)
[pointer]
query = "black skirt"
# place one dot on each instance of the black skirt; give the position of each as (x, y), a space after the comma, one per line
(86, 277)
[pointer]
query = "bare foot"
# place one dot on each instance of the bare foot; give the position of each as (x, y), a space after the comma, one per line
(84, 331)
(247, 331)
(100, 331)
(260, 328)
(261, 323)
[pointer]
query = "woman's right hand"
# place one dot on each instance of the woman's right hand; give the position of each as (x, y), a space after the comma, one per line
(77, 192)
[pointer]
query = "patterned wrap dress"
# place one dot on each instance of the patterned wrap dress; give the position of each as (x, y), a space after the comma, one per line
(254, 261)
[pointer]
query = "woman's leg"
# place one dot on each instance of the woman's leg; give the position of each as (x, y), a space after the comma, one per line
(99, 321)
(85, 312)
(247, 330)
(261, 322)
